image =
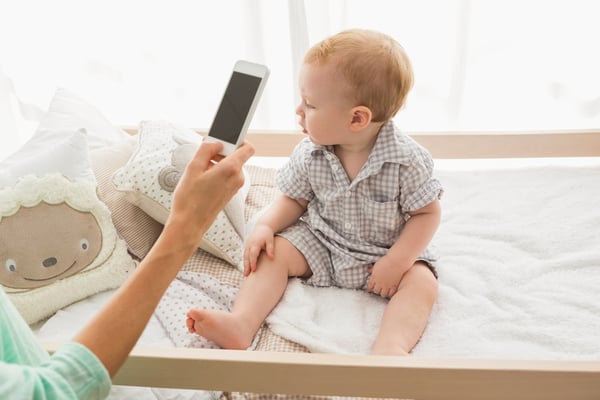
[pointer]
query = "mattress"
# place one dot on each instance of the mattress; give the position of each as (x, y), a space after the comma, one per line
(518, 275)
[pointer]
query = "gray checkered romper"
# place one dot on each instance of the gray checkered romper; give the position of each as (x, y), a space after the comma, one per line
(348, 226)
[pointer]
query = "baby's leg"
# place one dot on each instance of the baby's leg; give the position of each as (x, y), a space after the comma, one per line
(405, 317)
(259, 294)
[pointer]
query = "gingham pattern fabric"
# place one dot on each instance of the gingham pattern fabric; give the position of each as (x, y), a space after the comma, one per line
(357, 221)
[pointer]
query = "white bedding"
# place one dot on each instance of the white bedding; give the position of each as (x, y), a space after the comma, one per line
(519, 273)
(66, 322)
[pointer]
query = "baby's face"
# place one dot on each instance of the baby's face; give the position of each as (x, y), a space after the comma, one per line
(325, 110)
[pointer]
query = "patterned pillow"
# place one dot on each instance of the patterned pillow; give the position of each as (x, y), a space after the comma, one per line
(150, 176)
(137, 228)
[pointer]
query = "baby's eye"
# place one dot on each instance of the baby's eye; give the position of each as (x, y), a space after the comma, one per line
(84, 244)
(11, 265)
(307, 104)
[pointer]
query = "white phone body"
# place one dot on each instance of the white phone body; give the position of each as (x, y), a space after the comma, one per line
(238, 104)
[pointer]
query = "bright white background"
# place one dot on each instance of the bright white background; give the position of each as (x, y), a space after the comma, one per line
(479, 65)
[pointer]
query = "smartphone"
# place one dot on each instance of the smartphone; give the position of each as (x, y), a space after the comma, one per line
(238, 104)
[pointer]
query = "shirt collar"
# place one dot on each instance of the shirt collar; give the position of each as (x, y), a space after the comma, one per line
(390, 147)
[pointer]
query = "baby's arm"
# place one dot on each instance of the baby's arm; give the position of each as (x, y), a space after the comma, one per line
(282, 213)
(418, 231)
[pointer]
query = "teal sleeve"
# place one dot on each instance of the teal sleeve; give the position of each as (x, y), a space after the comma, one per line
(28, 372)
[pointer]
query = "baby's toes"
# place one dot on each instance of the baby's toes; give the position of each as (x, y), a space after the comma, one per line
(189, 322)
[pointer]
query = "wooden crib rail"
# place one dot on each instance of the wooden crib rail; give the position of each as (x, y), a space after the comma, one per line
(378, 376)
(359, 375)
(467, 145)
(564, 143)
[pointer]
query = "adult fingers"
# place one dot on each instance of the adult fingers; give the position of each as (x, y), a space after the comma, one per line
(230, 167)
(242, 154)
(206, 155)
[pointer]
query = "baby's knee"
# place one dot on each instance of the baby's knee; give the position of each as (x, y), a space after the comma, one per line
(289, 257)
(421, 276)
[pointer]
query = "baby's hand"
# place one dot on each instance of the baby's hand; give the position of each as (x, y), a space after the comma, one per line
(385, 277)
(261, 238)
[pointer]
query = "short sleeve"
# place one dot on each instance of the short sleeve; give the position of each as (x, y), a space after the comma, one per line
(73, 372)
(84, 372)
(292, 178)
(418, 187)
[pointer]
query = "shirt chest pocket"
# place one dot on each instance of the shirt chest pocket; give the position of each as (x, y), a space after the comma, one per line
(380, 222)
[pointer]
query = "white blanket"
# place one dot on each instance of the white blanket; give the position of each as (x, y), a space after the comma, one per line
(519, 274)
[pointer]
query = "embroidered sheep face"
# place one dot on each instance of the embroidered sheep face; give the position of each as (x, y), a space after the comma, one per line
(58, 243)
(169, 175)
(47, 242)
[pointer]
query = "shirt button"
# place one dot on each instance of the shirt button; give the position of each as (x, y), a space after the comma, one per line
(348, 193)
(334, 167)
(348, 225)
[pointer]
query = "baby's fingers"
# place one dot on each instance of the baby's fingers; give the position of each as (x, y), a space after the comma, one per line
(270, 247)
(253, 253)
(246, 266)
(388, 292)
(370, 285)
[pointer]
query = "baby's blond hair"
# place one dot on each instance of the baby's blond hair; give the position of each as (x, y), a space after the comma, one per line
(374, 65)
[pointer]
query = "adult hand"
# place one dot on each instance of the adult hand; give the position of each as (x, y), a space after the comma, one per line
(206, 186)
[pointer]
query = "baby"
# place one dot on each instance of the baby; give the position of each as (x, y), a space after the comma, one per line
(358, 207)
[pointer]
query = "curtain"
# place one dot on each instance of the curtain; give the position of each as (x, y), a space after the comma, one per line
(479, 65)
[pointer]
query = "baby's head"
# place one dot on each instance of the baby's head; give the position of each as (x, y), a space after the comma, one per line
(374, 66)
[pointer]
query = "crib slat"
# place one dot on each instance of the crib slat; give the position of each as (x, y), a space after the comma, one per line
(449, 145)
(467, 145)
(369, 376)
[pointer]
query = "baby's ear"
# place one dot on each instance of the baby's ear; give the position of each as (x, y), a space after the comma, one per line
(361, 117)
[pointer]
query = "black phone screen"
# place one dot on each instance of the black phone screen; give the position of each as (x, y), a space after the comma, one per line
(234, 107)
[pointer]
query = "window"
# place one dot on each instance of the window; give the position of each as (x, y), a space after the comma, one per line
(479, 65)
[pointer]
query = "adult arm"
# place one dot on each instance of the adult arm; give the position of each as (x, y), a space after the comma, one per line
(28, 372)
(131, 307)
(73, 372)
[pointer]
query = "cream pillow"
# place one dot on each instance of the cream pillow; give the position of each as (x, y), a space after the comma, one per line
(110, 148)
(149, 177)
(57, 241)
(68, 111)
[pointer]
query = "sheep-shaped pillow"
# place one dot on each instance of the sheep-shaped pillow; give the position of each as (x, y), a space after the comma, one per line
(57, 241)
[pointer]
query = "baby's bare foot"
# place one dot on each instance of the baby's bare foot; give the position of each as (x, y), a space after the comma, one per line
(221, 327)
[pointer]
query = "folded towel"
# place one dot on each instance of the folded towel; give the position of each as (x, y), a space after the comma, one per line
(328, 320)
